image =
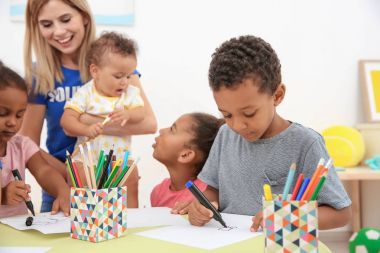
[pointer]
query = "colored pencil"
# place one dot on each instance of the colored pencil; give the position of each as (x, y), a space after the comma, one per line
(111, 176)
(125, 161)
(289, 181)
(304, 185)
(104, 170)
(319, 186)
(76, 173)
(84, 162)
(91, 164)
(313, 180)
(267, 192)
(133, 166)
(297, 186)
(70, 169)
(70, 173)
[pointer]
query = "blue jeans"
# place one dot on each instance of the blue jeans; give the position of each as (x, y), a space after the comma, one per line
(46, 206)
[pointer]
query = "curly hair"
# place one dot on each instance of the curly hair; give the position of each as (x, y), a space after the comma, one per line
(110, 42)
(205, 127)
(9, 78)
(245, 57)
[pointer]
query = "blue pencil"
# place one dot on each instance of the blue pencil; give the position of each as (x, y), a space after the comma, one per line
(126, 154)
(305, 183)
(289, 181)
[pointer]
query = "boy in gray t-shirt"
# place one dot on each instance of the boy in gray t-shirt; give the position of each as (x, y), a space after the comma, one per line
(257, 145)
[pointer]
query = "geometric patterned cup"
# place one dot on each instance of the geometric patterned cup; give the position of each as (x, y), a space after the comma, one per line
(98, 214)
(290, 226)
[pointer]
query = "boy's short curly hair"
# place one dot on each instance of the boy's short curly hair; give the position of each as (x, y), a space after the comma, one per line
(245, 57)
(110, 42)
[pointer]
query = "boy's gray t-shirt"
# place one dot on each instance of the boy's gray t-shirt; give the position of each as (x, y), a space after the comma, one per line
(238, 168)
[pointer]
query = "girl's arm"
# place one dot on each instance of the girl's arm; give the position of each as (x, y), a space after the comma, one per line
(73, 127)
(51, 181)
(147, 126)
(329, 217)
(32, 127)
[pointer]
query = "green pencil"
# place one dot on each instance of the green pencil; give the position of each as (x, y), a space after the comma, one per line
(99, 169)
(99, 160)
(111, 177)
(318, 188)
(120, 177)
(71, 174)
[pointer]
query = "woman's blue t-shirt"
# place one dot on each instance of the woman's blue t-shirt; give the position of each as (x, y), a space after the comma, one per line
(57, 141)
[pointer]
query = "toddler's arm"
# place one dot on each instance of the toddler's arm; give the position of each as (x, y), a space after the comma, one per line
(72, 126)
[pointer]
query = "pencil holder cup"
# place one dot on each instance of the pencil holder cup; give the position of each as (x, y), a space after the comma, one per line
(290, 226)
(98, 214)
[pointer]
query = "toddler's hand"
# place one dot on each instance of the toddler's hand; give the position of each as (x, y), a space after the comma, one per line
(181, 207)
(94, 130)
(257, 222)
(198, 214)
(16, 192)
(62, 202)
(120, 116)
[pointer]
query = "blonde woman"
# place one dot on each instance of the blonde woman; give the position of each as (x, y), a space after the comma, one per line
(59, 33)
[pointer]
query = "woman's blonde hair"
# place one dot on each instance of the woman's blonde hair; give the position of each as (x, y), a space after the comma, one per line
(47, 67)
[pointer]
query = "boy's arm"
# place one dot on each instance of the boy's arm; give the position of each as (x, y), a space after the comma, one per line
(329, 217)
(51, 181)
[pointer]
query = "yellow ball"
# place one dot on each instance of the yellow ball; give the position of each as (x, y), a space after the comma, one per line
(345, 145)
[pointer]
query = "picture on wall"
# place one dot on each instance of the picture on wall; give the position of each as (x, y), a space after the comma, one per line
(369, 71)
(110, 12)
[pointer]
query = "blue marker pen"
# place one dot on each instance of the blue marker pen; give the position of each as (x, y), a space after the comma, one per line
(205, 202)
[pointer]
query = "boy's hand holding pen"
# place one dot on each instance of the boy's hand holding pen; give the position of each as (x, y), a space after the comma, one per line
(202, 209)
(199, 215)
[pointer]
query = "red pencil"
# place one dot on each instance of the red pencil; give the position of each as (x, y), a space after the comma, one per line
(76, 171)
(297, 186)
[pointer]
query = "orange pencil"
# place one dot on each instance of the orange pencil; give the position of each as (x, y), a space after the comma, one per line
(313, 180)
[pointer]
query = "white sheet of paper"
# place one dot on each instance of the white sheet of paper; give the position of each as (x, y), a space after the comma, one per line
(44, 222)
(210, 236)
(24, 249)
(154, 216)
